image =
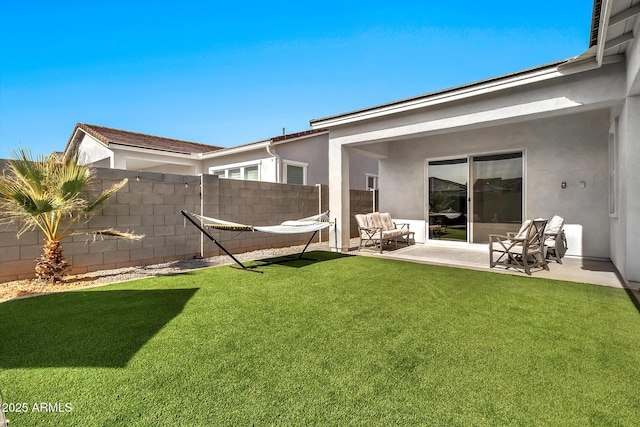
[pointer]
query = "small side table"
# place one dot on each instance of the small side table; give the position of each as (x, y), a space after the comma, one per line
(411, 238)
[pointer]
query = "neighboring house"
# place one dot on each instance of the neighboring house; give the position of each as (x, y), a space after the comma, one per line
(297, 158)
(105, 147)
(561, 138)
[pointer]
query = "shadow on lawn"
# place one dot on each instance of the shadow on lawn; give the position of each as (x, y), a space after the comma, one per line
(634, 296)
(307, 258)
(84, 328)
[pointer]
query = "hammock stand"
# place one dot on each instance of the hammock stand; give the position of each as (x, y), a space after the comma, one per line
(224, 225)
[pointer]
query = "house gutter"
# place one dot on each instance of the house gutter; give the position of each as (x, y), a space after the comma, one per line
(275, 156)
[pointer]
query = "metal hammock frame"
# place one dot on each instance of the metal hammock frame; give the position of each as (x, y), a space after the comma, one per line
(305, 225)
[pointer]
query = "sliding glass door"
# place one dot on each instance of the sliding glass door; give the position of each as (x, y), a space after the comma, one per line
(447, 204)
(497, 195)
(493, 204)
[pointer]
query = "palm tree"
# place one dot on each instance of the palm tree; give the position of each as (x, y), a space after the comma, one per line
(46, 193)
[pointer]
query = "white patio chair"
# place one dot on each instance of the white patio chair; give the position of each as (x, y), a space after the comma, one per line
(523, 250)
(378, 228)
(368, 232)
(555, 240)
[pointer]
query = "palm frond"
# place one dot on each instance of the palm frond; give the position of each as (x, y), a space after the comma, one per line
(27, 170)
(47, 194)
(70, 178)
(110, 232)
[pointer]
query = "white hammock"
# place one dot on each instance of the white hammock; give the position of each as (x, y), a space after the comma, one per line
(304, 225)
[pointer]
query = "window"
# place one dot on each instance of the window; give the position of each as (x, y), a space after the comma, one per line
(372, 182)
(249, 172)
(295, 172)
(234, 173)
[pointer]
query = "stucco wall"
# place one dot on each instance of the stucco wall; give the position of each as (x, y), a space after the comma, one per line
(312, 151)
(92, 151)
(633, 63)
(154, 161)
(625, 226)
(315, 151)
(570, 148)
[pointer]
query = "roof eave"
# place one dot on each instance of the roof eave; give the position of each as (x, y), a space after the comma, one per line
(259, 145)
(279, 141)
(130, 147)
(543, 72)
(235, 150)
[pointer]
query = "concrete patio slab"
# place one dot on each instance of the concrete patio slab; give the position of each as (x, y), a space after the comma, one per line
(476, 256)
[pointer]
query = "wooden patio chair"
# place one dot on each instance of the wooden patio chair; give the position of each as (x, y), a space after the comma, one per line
(523, 250)
(555, 240)
(368, 232)
(379, 228)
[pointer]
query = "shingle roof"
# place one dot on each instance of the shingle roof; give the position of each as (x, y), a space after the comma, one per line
(297, 135)
(110, 136)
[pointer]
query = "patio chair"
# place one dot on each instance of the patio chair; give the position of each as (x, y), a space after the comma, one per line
(523, 250)
(368, 232)
(394, 230)
(555, 240)
(378, 228)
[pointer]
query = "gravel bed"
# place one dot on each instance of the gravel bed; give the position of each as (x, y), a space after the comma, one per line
(25, 288)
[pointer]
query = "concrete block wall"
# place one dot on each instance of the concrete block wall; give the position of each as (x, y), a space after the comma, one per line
(258, 203)
(361, 201)
(150, 204)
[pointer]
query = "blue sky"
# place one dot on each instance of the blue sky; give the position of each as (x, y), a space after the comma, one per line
(229, 73)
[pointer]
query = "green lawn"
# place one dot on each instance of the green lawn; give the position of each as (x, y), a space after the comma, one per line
(342, 341)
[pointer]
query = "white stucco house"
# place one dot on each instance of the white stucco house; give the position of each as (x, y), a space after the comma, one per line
(296, 158)
(562, 138)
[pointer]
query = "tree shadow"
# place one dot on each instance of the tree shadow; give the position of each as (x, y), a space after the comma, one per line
(297, 261)
(103, 328)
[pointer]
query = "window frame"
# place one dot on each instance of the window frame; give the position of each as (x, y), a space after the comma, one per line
(222, 171)
(287, 163)
(375, 180)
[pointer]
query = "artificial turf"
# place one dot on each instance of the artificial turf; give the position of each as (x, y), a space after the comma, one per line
(338, 341)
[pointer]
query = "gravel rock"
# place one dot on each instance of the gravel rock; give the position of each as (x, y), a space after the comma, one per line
(26, 288)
